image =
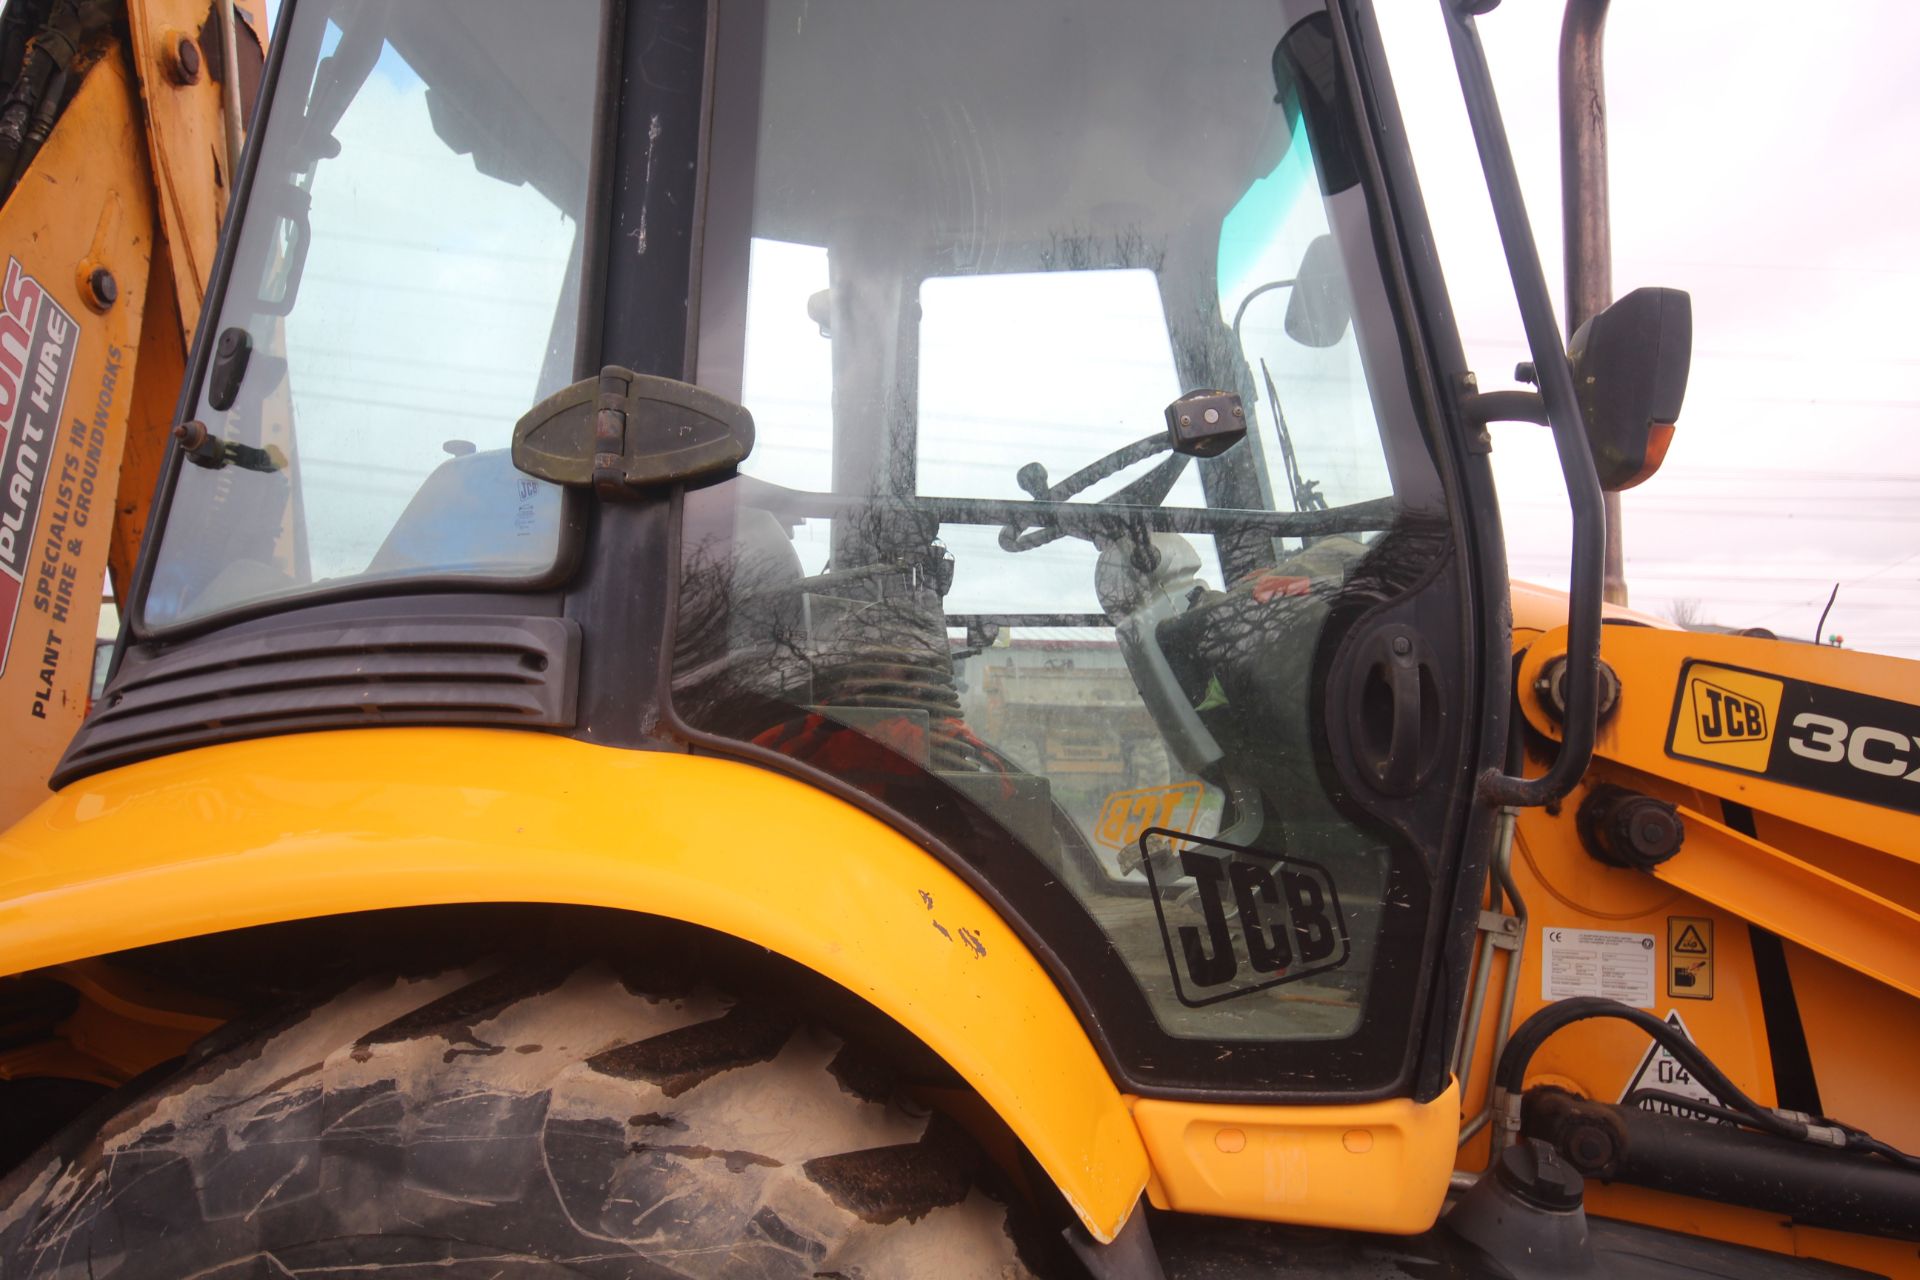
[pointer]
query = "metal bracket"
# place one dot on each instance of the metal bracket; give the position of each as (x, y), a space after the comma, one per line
(204, 449)
(622, 432)
(1501, 929)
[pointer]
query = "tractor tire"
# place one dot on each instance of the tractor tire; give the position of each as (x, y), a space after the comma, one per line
(515, 1124)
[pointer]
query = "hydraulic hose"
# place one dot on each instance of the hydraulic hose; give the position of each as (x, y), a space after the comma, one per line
(1510, 1075)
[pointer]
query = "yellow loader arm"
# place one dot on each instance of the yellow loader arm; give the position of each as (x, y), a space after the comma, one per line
(1818, 751)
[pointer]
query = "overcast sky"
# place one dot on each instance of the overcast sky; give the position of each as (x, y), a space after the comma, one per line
(1762, 158)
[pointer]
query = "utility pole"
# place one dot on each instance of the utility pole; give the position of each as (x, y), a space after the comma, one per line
(1583, 211)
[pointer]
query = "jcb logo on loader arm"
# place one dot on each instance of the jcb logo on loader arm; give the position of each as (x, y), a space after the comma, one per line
(1725, 716)
(1803, 735)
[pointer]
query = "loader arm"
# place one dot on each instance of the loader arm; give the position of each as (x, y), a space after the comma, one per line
(1849, 894)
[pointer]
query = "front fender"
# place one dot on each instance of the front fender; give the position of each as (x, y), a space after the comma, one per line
(279, 829)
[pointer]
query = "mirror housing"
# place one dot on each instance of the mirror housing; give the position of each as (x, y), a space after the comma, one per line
(1319, 309)
(1630, 366)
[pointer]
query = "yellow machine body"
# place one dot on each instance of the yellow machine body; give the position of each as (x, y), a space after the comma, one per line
(1835, 879)
(133, 183)
(325, 824)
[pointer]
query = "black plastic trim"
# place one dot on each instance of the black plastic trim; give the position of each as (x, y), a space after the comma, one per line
(428, 660)
(1476, 515)
(589, 338)
(623, 594)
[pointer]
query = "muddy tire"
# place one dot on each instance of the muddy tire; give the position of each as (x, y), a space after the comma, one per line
(513, 1124)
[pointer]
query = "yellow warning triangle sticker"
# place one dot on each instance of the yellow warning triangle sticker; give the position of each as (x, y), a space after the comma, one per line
(1690, 942)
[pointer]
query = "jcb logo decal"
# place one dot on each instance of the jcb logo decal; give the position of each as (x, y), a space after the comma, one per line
(1804, 735)
(1725, 717)
(1126, 814)
(1236, 921)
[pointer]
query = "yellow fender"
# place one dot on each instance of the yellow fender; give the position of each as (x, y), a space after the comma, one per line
(322, 824)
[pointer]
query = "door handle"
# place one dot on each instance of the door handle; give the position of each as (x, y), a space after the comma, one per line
(1395, 710)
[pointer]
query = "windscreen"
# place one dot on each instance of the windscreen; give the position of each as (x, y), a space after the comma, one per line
(403, 288)
(1084, 440)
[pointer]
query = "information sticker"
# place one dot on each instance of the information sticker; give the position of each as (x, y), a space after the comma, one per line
(1598, 962)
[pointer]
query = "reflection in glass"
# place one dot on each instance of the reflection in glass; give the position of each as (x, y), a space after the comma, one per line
(407, 275)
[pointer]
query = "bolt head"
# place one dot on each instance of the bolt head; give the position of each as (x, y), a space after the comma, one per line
(1589, 1147)
(183, 62)
(104, 288)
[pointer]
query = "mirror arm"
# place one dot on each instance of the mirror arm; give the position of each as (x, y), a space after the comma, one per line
(1563, 415)
(1241, 313)
(1483, 407)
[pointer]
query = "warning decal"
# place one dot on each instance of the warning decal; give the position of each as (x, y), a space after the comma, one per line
(1689, 958)
(1660, 1070)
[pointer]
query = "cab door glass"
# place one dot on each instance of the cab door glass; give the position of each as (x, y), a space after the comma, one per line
(991, 347)
(991, 252)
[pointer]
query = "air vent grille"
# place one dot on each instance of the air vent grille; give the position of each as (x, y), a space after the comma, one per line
(453, 669)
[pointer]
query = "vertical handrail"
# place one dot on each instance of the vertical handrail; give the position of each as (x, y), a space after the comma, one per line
(1563, 417)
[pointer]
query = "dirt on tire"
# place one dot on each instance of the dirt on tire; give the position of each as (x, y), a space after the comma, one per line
(520, 1122)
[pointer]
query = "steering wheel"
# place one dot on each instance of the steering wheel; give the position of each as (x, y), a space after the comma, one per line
(1150, 490)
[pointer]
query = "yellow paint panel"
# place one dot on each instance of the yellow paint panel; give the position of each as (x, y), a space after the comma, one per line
(1372, 1166)
(321, 824)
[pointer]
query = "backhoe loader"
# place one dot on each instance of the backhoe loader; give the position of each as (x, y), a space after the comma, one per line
(871, 638)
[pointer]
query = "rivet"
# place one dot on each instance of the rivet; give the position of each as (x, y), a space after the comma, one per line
(1230, 1140)
(1212, 416)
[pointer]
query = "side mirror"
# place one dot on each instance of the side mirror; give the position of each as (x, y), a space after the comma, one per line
(1630, 366)
(1319, 310)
